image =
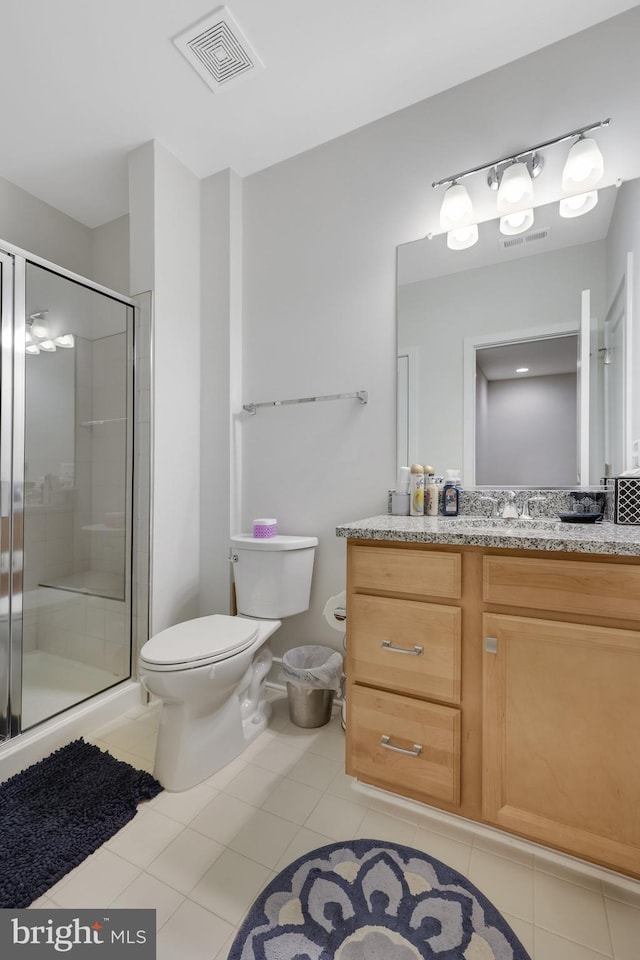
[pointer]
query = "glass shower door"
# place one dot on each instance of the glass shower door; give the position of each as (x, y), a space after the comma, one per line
(9, 639)
(77, 493)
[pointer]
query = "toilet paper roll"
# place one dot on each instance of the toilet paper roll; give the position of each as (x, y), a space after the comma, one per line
(265, 527)
(333, 604)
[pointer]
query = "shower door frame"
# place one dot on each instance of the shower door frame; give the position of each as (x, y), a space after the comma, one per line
(13, 267)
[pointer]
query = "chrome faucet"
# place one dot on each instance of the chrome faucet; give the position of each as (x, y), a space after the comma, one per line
(509, 509)
(525, 515)
(494, 505)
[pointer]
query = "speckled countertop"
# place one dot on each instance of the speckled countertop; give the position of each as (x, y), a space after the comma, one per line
(602, 538)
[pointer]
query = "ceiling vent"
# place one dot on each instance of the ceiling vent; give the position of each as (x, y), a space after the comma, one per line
(218, 50)
(534, 236)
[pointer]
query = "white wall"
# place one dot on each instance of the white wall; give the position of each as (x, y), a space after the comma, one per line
(321, 231)
(221, 265)
(165, 258)
(531, 432)
(39, 228)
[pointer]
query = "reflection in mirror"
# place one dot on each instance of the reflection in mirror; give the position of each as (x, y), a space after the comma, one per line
(526, 413)
(565, 283)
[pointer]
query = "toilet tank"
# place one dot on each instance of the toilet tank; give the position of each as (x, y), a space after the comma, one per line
(272, 575)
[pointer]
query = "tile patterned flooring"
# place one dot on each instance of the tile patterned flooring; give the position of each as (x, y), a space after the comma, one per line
(201, 857)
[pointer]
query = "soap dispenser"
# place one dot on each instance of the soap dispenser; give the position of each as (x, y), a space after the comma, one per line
(451, 494)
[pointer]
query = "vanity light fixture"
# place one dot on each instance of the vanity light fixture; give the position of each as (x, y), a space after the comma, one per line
(584, 166)
(515, 189)
(38, 339)
(457, 209)
(39, 327)
(577, 205)
(512, 177)
(462, 237)
(518, 222)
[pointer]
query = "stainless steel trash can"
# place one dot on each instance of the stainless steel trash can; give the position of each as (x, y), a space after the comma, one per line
(309, 708)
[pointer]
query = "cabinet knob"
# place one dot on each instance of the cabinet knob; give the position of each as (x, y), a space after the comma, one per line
(385, 742)
(491, 644)
(388, 645)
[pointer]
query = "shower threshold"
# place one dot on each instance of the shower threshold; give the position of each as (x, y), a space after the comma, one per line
(94, 583)
(52, 684)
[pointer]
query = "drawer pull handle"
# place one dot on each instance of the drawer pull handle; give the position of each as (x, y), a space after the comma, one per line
(388, 645)
(386, 743)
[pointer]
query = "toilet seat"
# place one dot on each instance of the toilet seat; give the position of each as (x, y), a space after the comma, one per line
(196, 643)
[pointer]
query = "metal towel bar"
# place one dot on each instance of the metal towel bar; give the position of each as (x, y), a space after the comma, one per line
(361, 395)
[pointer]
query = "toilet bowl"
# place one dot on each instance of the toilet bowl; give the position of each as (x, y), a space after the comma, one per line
(210, 672)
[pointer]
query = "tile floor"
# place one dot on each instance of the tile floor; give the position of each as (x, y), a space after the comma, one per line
(201, 857)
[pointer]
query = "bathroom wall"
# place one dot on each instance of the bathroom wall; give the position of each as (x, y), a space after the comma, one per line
(320, 233)
(165, 258)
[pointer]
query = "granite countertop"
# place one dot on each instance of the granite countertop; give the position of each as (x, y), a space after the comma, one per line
(603, 537)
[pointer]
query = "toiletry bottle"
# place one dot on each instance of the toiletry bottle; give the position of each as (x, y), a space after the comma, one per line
(431, 495)
(451, 498)
(400, 498)
(416, 489)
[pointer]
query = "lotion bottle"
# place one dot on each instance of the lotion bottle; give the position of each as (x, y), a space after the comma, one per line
(431, 492)
(416, 489)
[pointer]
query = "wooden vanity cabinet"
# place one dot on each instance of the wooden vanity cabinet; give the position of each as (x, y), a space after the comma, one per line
(407, 716)
(522, 708)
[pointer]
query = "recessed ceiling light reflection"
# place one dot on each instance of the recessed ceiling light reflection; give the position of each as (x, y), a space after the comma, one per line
(522, 369)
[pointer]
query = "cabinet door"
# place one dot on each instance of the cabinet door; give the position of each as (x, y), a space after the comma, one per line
(408, 746)
(405, 645)
(561, 736)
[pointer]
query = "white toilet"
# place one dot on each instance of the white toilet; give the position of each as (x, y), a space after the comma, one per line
(209, 673)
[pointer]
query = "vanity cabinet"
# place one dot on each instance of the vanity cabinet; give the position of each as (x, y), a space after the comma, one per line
(406, 718)
(501, 685)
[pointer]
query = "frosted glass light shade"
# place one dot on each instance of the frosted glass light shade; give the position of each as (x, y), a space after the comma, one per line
(584, 166)
(577, 205)
(65, 340)
(512, 223)
(463, 237)
(47, 345)
(456, 209)
(32, 348)
(516, 189)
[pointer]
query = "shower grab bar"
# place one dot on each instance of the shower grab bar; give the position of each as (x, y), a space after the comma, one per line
(361, 395)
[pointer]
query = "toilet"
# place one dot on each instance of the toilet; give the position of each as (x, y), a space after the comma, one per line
(210, 672)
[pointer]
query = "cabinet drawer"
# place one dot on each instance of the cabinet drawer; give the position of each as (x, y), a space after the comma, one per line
(405, 645)
(430, 574)
(598, 589)
(427, 734)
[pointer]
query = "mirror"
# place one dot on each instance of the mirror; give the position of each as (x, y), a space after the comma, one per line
(556, 300)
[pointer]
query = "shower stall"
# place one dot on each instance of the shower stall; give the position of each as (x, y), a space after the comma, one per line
(68, 610)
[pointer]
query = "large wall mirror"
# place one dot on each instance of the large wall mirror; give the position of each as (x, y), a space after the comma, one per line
(515, 355)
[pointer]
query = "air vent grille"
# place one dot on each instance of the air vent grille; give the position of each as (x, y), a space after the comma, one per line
(217, 49)
(534, 236)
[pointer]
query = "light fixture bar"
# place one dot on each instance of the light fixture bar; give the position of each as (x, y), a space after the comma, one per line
(521, 153)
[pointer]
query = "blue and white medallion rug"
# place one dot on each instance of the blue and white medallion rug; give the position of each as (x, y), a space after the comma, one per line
(372, 900)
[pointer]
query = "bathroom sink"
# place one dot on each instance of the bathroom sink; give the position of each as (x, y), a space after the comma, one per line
(502, 523)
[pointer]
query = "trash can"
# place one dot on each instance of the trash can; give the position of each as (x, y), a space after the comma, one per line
(313, 675)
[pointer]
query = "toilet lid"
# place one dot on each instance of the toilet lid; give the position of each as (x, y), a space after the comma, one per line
(196, 641)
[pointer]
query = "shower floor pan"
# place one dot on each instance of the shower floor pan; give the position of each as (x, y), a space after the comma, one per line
(52, 684)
